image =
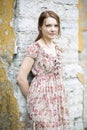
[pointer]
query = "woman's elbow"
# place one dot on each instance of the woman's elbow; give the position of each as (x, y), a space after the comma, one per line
(19, 79)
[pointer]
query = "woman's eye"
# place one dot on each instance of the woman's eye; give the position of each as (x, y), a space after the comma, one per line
(56, 25)
(51, 25)
(48, 25)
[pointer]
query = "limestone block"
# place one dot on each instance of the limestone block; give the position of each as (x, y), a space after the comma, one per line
(79, 124)
(28, 8)
(67, 2)
(68, 42)
(26, 38)
(72, 85)
(76, 124)
(25, 24)
(72, 126)
(68, 24)
(75, 97)
(74, 90)
(85, 122)
(71, 70)
(76, 111)
(70, 57)
(71, 12)
(85, 107)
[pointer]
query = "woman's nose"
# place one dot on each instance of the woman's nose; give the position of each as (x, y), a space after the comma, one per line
(52, 28)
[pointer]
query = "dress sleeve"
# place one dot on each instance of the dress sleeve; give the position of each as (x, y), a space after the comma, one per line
(32, 51)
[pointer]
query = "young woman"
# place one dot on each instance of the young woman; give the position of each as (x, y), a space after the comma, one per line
(47, 102)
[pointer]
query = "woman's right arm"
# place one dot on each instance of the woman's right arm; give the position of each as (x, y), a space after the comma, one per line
(23, 73)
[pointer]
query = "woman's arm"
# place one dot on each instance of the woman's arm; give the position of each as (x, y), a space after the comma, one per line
(23, 73)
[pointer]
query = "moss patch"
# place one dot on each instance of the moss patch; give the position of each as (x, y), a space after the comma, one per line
(9, 114)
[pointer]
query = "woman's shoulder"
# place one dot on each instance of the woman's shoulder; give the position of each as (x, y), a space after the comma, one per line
(33, 45)
(32, 50)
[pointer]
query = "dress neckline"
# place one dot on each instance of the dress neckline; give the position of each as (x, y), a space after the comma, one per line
(47, 54)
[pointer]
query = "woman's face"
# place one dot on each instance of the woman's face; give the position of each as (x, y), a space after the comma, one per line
(49, 28)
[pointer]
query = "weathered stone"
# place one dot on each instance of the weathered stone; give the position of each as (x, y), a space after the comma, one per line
(26, 13)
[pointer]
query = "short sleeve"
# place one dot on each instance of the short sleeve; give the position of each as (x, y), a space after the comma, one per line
(32, 51)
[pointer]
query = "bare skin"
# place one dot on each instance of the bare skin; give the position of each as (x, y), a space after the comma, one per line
(23, 73)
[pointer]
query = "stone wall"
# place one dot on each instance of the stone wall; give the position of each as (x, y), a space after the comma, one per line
(9, 110)
(83, 52)
(26, 13)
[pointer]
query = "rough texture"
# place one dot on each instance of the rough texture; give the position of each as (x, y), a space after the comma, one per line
(9, 111)
(27, 13)
(83, 52)
(25, 24)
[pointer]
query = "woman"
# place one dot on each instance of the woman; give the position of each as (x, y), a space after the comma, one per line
(47, 104)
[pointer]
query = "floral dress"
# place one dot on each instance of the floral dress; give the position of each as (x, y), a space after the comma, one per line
(46, 99)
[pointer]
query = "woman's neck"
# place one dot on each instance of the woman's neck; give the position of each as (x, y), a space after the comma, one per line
(47, 41)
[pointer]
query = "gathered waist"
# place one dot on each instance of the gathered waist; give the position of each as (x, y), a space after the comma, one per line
(48, 78)
(50, 75)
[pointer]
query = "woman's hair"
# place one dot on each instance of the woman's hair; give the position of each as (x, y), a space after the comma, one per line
(43, 16)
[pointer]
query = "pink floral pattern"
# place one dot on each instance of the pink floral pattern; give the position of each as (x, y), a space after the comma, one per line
(47, 102)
